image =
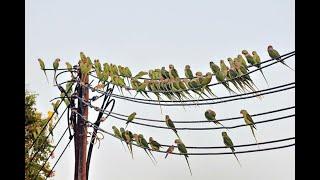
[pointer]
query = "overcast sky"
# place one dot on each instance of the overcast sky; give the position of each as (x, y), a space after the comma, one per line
(144, 35)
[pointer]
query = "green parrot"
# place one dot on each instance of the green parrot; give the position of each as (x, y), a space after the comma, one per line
(151, 74)
(121, 71)
(164, 73)
(243, 62)
(173, 73)
(154, 144)
(144, 144)
(43, 67)
(206, 81)
(140, 74)
(232, 74)
(249, 121)
(124, 137)
(141, 89)
(55, 106)
(129, 140)
(187, 72)
(228, 142)
(169, 150)
(117, 134)
(69, 68)
(97, 65)
(211, 116)
(131, 117)
(214, 68)
(55, 67)
(170, 125)
(220, 76)
(182, 149)
(249, 58)
(106, 67)
(127, 72)
(275, 55)
(257, 64)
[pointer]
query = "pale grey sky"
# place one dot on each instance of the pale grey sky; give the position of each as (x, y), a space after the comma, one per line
(144, 35)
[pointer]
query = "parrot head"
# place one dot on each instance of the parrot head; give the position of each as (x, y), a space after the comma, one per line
(208, 74)
(229, 59)
(243, 111)
(187, 67)
(134, 113)
(270, 47)
(135, 137)
(221, 61)
(244, 52)
(254, 52)
(122, 130)
(199, 74)
(239, 56)
(167, 117)
(177, 141)
(171, 66)
(150, 139)
(224, 133)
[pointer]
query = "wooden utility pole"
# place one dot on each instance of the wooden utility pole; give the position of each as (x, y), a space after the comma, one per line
(81, 132)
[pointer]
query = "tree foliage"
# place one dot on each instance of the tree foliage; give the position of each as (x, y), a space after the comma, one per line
(34, 123)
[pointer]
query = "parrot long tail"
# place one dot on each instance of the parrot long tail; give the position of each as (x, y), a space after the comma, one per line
(229, 89)
(46, 75)
(188, 164)
(166, 155)
(131, 150)
(236, 158)
(54, 76)
(149, 157)
(254, 136)
(264, 77)
(287, 65)
(152, 156)
(122, 145)
(127, 123)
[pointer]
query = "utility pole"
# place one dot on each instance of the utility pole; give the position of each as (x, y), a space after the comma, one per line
(81, 131)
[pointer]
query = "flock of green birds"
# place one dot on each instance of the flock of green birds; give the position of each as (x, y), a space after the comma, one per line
(168, 83)
(128, 137)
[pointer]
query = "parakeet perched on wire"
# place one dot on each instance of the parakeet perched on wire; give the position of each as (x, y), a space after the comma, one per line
(170, 125)
(169, 150)
(211, 116)
(117, 134)
(97, 65)
(214, 68)
(43, 67)
(257, 64)
(187, 72)
(154, 144)
(274, 54)
(173, 73)
(130, 118)
(126, 139)
(228, 142)
(145, 146)
(69, 68)
(55, 67)
(249, 121)
(182, 149)
(164, 73)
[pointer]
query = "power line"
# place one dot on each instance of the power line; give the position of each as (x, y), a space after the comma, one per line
(208, 103)
(51, 152)
(70, 139)
(220, 120)
(262, 67)
(41, 146)
(207, 128)
(221, 153)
